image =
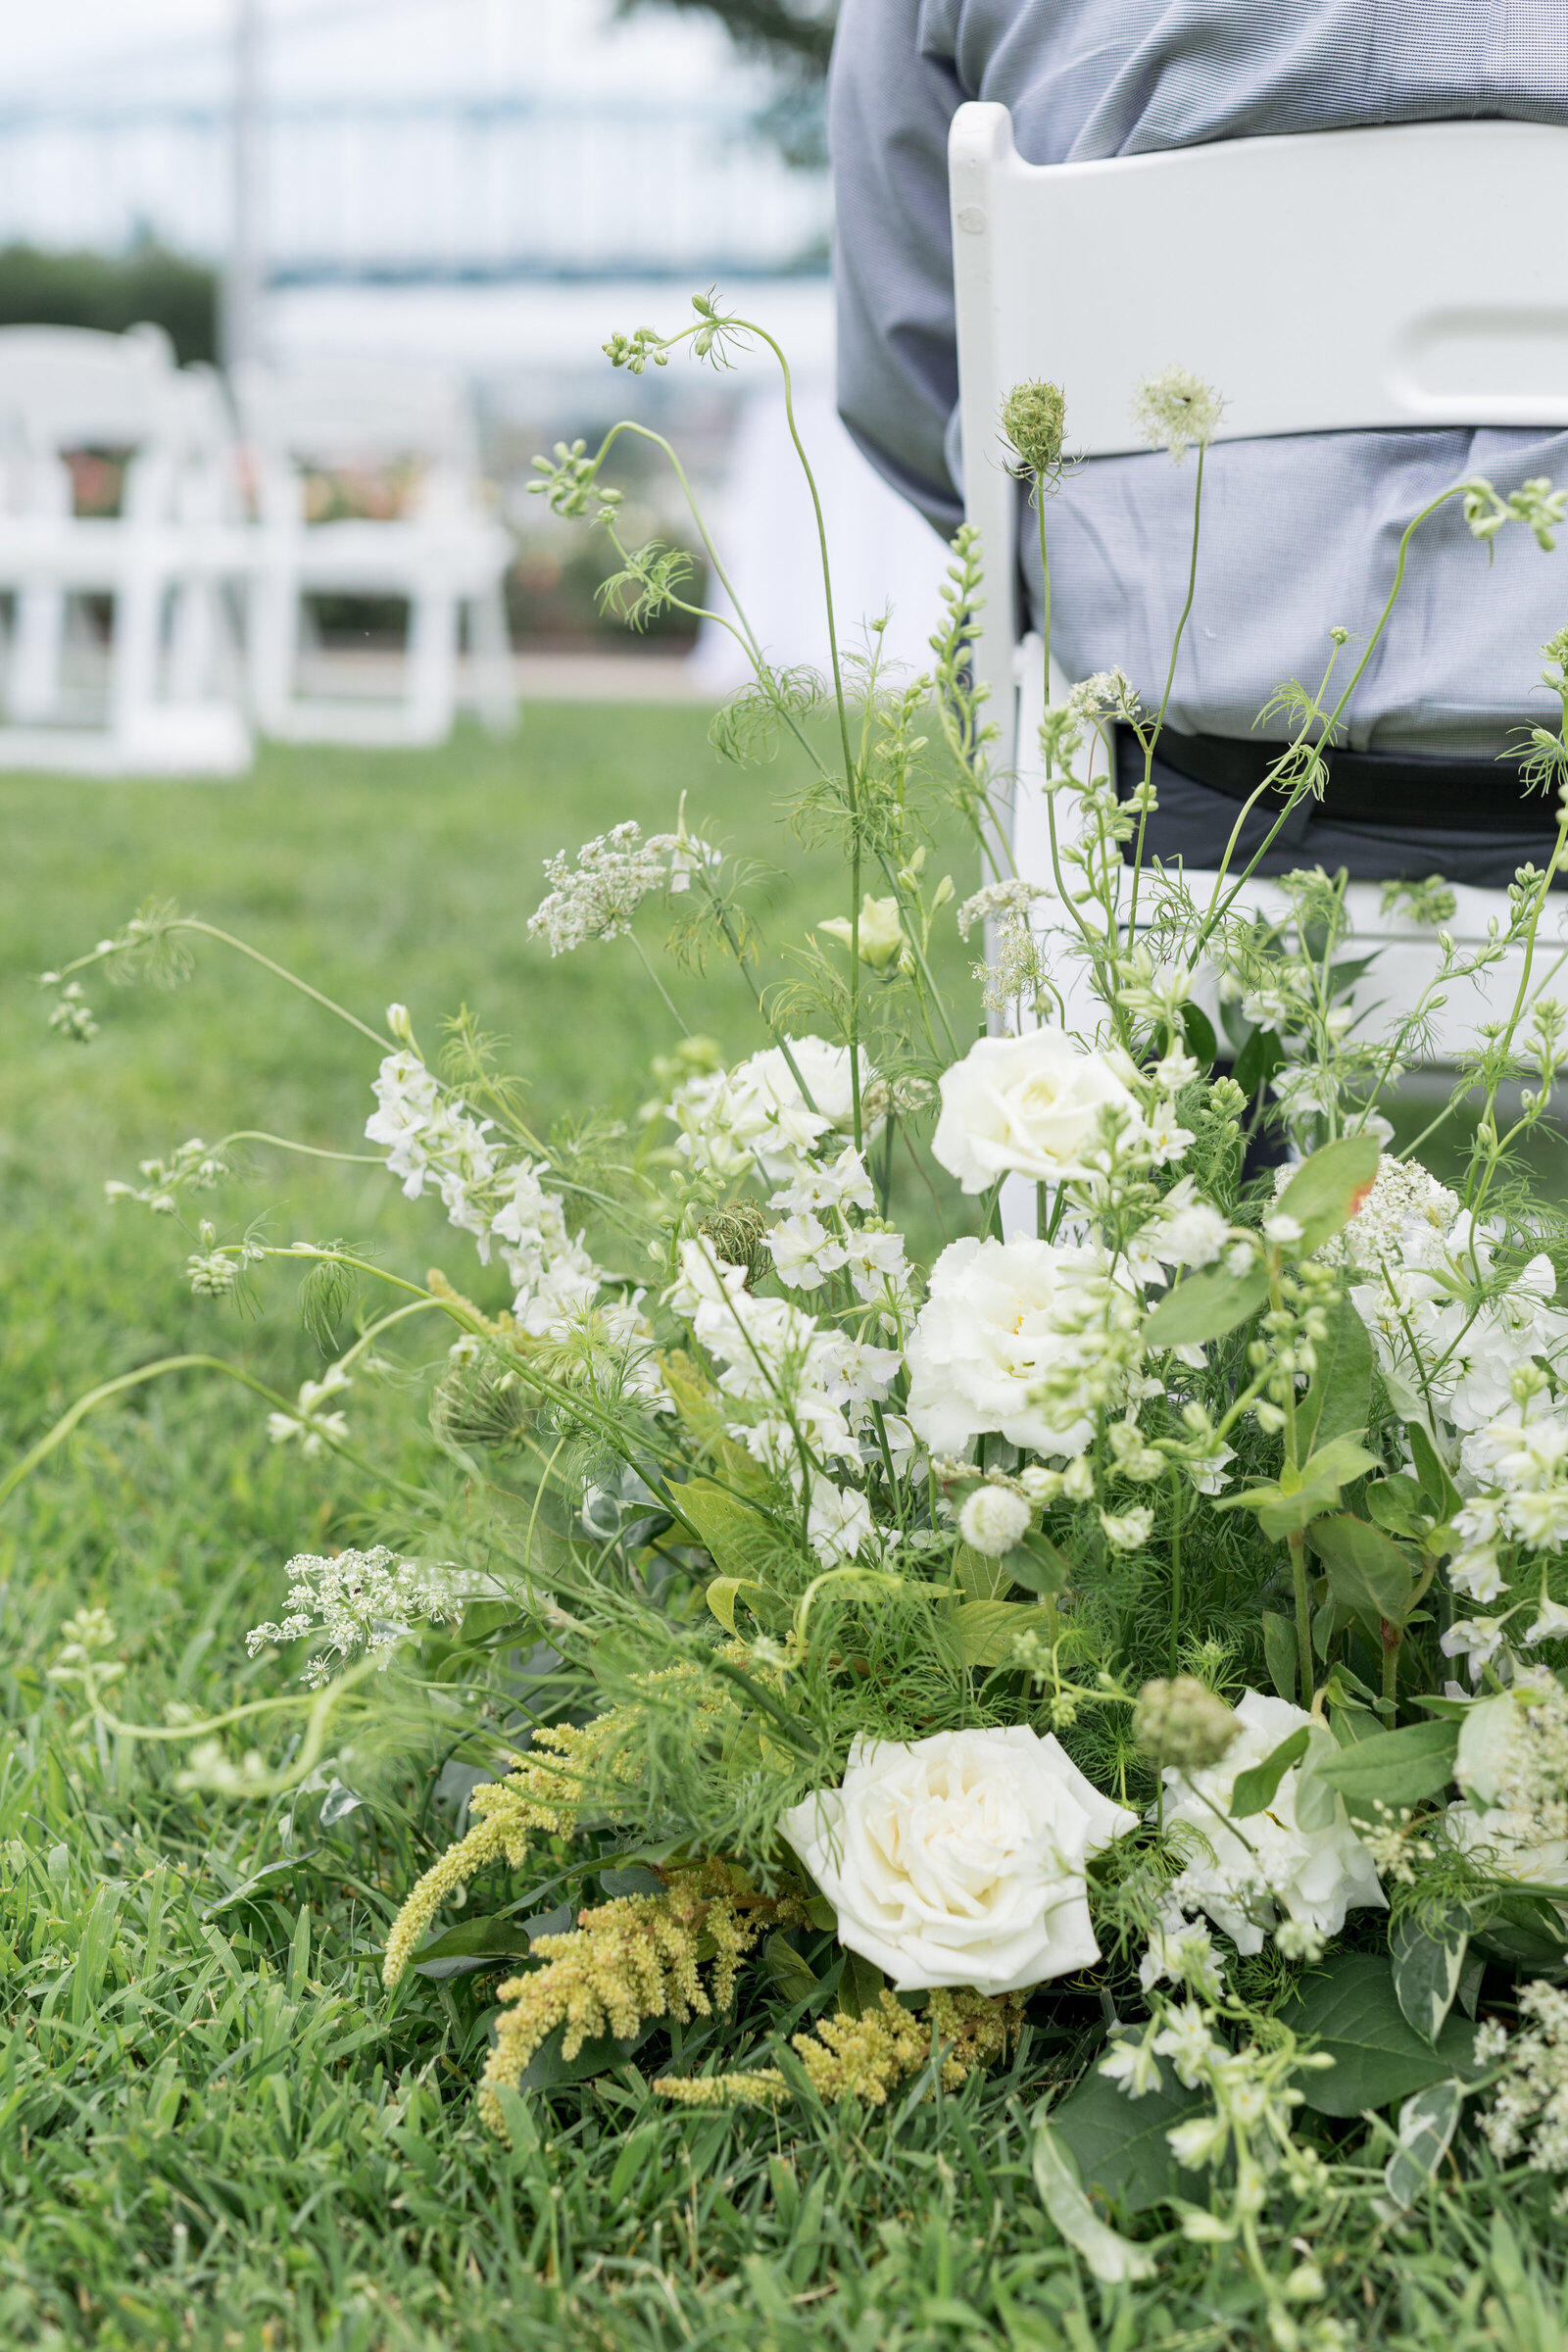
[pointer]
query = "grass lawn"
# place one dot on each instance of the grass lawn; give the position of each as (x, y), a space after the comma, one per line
(216, 2129)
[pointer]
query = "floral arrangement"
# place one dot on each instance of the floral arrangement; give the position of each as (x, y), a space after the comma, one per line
(1129, 1639)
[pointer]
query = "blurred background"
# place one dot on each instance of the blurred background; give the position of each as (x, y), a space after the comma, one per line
(486, 189)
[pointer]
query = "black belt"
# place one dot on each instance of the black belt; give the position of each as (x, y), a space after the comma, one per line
(1373, 788)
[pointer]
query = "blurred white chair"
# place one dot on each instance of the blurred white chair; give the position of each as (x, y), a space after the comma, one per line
(1435, 251)
(444, 553)
(65, 390)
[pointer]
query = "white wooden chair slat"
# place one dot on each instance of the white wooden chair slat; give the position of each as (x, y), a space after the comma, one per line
(1451, 309)
(444, 553)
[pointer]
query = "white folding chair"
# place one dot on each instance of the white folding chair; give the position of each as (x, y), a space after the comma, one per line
(444, 553)
(69, 389)
(1449, 307)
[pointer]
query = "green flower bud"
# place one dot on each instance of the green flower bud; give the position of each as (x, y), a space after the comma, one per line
(1034, 418)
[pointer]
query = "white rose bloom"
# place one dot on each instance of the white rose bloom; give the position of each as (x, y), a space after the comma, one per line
(1028, 1104)
(959, 1859)
(1244, 1875)
(1002, 1317)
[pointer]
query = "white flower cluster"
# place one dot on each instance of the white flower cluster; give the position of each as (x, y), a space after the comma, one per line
(1530, 2105)
(1024, 1338)
(313, 1426)
(615, 872)
(555, 1277)
(1012, 897)
(1040, 1105)
(1449, 1332)
(805, 1250)
(810, 1387)
(758, 1115)
(1244, 1874)
(431, 1136)
(1512, 1766)
(353, 1603)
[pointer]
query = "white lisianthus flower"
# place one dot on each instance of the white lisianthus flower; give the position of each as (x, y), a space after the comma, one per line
(1128, 1531)
(840, 1523)
(1245, 1876)
(959, 1859)
(1028, 1106)
(1001, 1319)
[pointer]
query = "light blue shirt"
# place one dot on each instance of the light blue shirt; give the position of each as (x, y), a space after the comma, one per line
(1299, 534)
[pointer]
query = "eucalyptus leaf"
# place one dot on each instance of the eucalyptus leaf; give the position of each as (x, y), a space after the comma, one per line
(1327, 1190)
(1280, 1651)
(1039, 1565)
(1256, 1790)
(1205, 1307)
(1394, 1769)
(472, 1945)
(1367, 1571)
(1338, 1402)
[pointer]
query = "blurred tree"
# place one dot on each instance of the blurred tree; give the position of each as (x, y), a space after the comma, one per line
(112, 291)
(793, 36)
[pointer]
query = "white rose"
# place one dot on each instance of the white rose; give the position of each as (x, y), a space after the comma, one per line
(959, 1859)
(1029, 1104)
(1001, 1316)
(1245, 1876)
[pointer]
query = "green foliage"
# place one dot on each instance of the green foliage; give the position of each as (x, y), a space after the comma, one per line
(111, 292)
(1351, 2005)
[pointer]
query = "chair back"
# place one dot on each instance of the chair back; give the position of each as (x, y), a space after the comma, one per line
(1327, 281)
(351, 415)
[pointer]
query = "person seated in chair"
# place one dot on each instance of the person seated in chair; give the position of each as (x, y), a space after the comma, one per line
(1299, 532)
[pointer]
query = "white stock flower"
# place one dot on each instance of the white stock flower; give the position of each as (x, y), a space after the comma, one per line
(1244, 1874)
(803, 1252)
(1128, 1531)
(1476, 1639)
(1001, 1317)
(993, 1521)
(841, 1184)
(1029, 1106)
(553, 1276)
(959, 1859)
(757, 1112)
(841, 1524)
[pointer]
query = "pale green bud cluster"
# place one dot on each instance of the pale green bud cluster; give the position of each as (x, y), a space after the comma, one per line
(1178, 1722)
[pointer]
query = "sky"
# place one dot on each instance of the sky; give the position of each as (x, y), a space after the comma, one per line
(636, 144)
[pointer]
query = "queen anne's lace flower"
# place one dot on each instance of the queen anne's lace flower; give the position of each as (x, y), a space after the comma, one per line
(615, 872)
(356, 1602)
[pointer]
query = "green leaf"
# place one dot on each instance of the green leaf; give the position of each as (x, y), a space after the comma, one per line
(785, 1968)
(1113, 2258)
(1426, 1970)
(725, 1591)
(1289, 1505)
(861, 1988)
(473, 1944)
(1256, 1790)
(987, 1628)
(1199, 1031)
(1367, 1571)
(1327, 1190)
(1398, 1504)
(548, 2070)
(1443, 1495)
(980, 1576)
(1395, 1769)
(1526, 1931)
(1339, 1401)
(1279, 1648)
(1205, 1307)
(726, 1526)
(1119, 2145)
(1427, 2124)
(1259, 1059)
(1351, 2008)
(1039, 1565)
(1317, 1805)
